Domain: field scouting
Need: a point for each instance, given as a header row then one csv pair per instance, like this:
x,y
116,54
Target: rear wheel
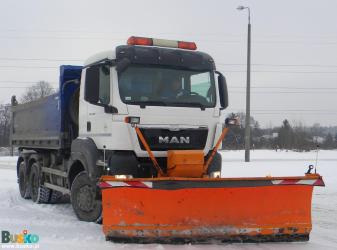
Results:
x,y
87,206
23,181
39,193
55,196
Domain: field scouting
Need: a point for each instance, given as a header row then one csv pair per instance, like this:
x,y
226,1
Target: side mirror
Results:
x,y
91,93
122,65
223,92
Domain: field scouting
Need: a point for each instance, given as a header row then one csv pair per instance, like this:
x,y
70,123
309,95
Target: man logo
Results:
x,y
174,140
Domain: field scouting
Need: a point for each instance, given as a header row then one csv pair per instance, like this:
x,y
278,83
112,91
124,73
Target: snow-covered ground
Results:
x,y
58,227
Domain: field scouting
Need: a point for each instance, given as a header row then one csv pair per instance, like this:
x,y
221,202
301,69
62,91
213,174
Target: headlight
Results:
x,y
122,176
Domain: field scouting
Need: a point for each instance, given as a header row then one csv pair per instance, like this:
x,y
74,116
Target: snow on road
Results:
x,y
58,227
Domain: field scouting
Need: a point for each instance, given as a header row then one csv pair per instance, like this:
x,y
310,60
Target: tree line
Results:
x,y
286,136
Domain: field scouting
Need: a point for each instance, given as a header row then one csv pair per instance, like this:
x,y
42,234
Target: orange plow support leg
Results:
x,y
186,211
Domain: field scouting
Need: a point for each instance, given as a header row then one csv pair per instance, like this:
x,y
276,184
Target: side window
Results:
x,y
97,85
104,85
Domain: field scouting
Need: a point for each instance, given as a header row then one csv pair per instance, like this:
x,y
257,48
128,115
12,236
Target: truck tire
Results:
x,y
39,194
23,181
84,198
215,164
55,196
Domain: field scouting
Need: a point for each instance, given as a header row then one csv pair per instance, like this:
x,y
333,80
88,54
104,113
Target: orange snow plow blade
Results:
x,y
181,210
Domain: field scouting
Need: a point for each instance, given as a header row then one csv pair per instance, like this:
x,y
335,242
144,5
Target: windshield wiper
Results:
x,y
143,104
189,104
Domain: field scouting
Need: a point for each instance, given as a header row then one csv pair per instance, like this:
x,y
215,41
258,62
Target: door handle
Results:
x,y
88,126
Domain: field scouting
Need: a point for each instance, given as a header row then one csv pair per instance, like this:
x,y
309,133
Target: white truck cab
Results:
x,y
175,91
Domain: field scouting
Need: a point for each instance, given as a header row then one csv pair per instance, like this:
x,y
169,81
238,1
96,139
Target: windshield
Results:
x,y
140,85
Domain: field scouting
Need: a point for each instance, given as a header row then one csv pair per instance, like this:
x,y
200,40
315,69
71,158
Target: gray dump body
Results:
x,y
38,123
46,123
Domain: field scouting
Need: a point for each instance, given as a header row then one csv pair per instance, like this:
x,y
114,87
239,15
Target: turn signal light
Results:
x,y
132,119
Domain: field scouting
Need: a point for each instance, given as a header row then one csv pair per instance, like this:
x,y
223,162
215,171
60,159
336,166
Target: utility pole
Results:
x,y
247,120
13,103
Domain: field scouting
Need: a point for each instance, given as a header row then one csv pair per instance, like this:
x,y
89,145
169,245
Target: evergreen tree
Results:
x,y
328,142
285,135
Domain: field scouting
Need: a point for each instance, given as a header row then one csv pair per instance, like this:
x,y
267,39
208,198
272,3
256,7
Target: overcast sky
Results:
x,y
294,46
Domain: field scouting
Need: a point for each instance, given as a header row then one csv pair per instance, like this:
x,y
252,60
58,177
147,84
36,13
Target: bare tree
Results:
x,y
37,91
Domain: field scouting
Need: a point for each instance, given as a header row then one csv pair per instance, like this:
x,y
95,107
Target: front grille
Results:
x,y
170,140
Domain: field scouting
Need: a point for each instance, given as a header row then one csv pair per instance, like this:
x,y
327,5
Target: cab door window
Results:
x,y
97,85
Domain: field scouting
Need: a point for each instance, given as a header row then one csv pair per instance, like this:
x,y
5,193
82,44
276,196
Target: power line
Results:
x,y
289,110
283,71
10,81
200,40
122,40
116,33
20,87
237,71
217,34
61,38
124,34
282,87
301,110
293,114
279,65
233,92
225,64
28,67
285,92
38,59
2,87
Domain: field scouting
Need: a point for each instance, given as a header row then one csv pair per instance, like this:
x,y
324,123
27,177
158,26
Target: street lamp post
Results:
x,y
247,120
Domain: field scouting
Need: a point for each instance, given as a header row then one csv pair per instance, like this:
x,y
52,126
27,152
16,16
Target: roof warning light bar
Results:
x,y
145,41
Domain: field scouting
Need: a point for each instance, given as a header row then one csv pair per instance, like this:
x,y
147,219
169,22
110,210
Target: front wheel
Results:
x,y
84,200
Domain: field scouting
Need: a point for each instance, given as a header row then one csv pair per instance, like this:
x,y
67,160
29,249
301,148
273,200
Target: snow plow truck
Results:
x,y
132,137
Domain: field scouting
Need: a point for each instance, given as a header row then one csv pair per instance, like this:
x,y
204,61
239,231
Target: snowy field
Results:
x,y
58,227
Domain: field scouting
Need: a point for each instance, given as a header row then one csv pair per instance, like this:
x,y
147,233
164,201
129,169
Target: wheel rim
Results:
x,y
85,198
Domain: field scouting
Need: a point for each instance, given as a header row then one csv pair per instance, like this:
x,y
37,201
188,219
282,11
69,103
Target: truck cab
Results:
x,y
69,140
175,93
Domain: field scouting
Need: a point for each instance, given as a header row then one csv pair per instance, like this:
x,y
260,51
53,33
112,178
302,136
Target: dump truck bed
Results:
x,y
44,123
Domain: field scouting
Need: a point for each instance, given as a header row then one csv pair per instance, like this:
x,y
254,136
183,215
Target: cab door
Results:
x,y
98,96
